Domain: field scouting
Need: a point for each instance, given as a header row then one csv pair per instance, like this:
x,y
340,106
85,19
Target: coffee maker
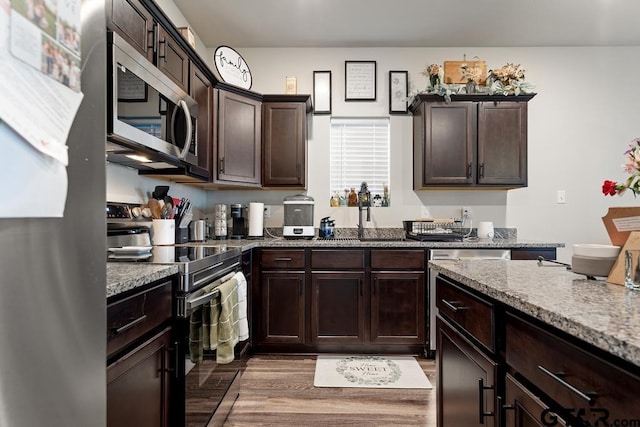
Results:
x,y
238,221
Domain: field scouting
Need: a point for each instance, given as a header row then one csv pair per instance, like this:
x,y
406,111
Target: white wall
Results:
x,y
580,123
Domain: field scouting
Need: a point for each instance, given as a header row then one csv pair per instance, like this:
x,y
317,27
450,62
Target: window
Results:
x,y
359,152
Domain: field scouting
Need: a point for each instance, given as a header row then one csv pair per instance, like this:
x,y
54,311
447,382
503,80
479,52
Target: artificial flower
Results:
x,y
632,167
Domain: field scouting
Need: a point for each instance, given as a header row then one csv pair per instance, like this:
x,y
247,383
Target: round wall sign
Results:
x,y
232,67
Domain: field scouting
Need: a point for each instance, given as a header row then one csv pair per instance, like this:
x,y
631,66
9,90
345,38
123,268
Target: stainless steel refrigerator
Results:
x,y
52,275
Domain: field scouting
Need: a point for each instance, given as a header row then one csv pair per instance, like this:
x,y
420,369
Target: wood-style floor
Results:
x,y
278,390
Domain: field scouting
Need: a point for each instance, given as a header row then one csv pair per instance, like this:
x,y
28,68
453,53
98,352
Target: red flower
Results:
x,y
609,188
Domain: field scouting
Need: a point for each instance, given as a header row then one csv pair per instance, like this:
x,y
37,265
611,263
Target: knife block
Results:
x,y
182,235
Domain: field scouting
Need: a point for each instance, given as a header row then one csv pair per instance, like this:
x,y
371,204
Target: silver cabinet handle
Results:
x,y
131,324
451,306
589,396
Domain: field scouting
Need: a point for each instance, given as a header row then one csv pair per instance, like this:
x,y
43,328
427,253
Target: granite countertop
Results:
x,y
123,276
604,315
245,244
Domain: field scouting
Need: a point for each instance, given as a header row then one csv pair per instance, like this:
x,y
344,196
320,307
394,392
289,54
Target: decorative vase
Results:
x,y
470,86
434,79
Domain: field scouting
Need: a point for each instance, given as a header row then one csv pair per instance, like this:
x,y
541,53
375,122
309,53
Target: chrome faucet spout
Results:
x,y
364,202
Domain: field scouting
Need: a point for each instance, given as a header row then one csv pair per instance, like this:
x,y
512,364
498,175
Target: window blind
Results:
x,y
359,152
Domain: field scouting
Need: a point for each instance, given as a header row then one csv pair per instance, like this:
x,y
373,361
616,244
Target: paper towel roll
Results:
x,y
256,216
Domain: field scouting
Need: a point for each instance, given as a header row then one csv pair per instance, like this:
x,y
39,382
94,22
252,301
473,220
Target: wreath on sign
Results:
x,y
345,368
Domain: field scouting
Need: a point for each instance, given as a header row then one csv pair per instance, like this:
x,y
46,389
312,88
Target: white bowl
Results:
x,y
595,250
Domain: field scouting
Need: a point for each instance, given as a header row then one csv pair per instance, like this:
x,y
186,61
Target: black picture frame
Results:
x,y
321,92
360,80
398,92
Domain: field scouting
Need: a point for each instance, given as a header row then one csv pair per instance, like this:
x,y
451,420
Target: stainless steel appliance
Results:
x,y
150,117
52,293
200,386
452,254
298,217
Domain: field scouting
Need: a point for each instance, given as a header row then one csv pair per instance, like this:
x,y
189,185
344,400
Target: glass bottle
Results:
x,y
353,197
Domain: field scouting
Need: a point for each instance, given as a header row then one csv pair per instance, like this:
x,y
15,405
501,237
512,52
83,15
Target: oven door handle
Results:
x,y
201,299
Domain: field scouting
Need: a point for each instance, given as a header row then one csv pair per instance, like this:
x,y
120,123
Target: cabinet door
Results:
x,y
449,141
397,308
466,381
502,143
172,59
337,308
284,142
138,385
201,90
134,23
238,139
524,409
282,305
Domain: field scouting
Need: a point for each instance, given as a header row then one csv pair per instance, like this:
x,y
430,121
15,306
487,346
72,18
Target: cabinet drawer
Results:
x,y
132,317
394,259
282,259
334,259
571,376
474,315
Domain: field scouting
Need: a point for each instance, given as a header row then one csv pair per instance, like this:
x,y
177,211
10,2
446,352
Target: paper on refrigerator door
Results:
x,y
38,106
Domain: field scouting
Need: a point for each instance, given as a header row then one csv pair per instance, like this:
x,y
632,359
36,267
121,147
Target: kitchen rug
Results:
x,y
369,372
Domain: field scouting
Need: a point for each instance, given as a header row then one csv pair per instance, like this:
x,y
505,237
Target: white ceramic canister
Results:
x,y
485,230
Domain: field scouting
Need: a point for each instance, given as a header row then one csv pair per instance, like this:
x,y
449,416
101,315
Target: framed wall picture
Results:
x,y
398,89
322,92
359,80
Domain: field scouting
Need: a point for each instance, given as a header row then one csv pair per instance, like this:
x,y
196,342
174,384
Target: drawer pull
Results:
x,y
481,412
131,324
451,305
589,396
283,259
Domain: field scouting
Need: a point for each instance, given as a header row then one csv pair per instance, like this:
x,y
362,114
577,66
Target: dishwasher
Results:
x,y
453,254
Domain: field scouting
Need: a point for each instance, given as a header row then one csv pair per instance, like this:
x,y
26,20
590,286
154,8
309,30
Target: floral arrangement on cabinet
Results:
x,y
632,167
506,80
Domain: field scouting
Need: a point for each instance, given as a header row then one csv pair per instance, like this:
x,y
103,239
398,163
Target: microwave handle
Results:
x,y
187,138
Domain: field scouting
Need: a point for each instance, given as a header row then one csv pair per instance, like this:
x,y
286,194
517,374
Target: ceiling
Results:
x,y
413,23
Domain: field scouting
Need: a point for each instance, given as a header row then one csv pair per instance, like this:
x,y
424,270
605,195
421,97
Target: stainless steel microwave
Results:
x,y
149,115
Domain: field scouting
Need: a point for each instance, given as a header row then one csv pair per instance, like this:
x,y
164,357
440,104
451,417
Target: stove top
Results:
x,y
189,258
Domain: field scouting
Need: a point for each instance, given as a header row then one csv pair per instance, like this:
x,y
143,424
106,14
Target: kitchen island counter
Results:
x,y
603,315
124,276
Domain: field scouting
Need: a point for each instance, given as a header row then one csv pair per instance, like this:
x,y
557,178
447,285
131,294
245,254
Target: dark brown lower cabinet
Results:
x,y
466,381
337,308
138,385
282,308
523,409
397,308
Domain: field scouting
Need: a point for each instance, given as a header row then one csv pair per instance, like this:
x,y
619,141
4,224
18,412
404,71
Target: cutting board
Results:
x,y
616,275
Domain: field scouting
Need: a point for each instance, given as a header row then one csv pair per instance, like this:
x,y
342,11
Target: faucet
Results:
x,y
364,202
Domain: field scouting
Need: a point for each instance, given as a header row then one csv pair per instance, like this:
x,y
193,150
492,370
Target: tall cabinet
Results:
x,y
284,140
473,141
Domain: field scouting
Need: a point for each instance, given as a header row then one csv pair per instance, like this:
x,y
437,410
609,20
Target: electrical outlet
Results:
x,y
465,211
267,211
561,197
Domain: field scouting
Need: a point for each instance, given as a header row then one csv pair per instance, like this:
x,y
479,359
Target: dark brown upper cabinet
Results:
x,y
172,59
201,89
473,141
134,23
284,140
238,141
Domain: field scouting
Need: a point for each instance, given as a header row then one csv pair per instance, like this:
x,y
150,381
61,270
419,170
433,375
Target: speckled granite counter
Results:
x,y
606,316
122,276
313,243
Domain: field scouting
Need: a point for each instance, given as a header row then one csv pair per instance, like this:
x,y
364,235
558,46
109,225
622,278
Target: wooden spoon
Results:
x,y
156,209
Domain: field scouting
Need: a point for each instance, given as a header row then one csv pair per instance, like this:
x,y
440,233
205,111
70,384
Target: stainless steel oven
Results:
x,y
147,112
